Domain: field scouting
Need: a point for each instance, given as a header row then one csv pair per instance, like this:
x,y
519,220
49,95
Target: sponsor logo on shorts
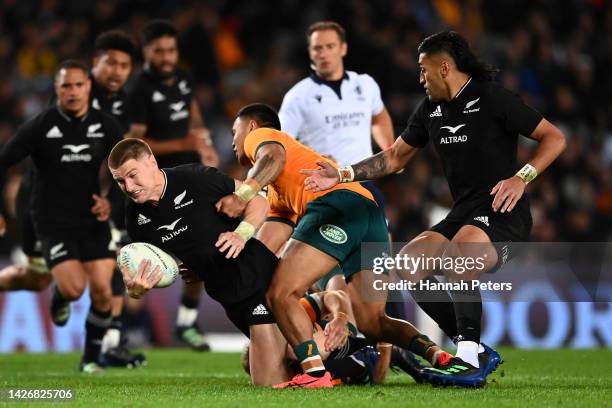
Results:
x,y
333,233
57,250
260,310
484,219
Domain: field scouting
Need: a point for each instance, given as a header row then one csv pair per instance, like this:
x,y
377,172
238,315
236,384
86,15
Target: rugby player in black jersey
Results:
x,y
474,125
165,114
114,53
219,250
112,64
175,209
68,144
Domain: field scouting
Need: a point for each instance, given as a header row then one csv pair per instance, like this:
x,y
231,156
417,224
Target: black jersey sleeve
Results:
x,y
516,116
15,150
139,103
212,182
415,133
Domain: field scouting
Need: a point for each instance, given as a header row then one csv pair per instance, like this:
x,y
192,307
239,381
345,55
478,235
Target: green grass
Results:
x,y
572,378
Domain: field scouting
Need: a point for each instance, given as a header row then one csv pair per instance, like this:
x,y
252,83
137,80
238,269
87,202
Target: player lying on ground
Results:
x,y
352,360
331,228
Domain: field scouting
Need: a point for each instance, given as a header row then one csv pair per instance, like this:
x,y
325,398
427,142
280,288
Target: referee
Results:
x,y
336,113
474,126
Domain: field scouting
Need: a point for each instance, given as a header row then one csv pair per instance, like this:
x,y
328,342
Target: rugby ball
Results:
x,y
132,254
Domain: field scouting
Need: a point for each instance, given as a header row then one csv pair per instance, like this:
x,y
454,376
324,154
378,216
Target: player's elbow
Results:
x,y
560,140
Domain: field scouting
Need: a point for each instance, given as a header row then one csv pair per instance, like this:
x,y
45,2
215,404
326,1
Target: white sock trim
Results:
x,y
186,316
468,352
110,339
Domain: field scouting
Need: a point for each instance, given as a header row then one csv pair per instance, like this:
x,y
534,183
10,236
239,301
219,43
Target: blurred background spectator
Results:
x,y
556,54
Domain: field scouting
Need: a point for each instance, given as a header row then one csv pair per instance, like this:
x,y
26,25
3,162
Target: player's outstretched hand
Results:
x,y
188,275
507,193
336,332
231,205
230,242
101,208
142,281
323,178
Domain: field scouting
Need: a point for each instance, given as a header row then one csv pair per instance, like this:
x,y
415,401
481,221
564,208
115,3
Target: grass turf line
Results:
x,y
545,378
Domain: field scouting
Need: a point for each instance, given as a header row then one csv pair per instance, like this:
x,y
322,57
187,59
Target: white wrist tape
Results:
x,y
527,173
346,174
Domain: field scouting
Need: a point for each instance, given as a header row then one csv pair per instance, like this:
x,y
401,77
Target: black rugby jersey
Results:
x,y
186,224
475,135
115,104
67,154
164,109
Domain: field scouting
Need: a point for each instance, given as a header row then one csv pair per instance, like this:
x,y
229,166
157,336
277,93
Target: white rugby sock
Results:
x,y
480,348
468,352
186,316
110,339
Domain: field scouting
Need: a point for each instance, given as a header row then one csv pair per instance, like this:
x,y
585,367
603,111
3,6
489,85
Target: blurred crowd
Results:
x,y
556,54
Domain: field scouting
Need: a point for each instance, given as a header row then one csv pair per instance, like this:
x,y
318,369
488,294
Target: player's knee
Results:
x,y
72,292
278,294
101,294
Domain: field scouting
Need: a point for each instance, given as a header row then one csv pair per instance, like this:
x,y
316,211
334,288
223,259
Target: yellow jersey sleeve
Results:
x,y
258,137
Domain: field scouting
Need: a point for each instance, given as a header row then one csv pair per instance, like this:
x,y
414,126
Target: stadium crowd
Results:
x,y
556,56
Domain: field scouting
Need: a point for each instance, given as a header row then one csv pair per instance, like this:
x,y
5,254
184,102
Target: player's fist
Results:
x,y
323,178
231,205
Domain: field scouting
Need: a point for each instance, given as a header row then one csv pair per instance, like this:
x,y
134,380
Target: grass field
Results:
x,y
572,378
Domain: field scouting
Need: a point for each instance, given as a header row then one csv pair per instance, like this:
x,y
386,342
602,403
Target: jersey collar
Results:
x,y
69,118
462,89
320,81
334,85
165,185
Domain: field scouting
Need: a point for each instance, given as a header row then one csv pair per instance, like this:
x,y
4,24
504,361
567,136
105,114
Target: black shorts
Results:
x,y
502,228
88,244
250,312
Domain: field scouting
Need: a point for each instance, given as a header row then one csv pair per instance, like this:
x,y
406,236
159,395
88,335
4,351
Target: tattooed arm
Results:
x,y
269,163
384,163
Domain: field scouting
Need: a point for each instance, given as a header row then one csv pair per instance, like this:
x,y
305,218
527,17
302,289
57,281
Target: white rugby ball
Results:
x,y
132,254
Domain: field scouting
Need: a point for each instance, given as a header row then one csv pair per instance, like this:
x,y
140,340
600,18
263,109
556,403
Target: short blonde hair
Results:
x,y
130,148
